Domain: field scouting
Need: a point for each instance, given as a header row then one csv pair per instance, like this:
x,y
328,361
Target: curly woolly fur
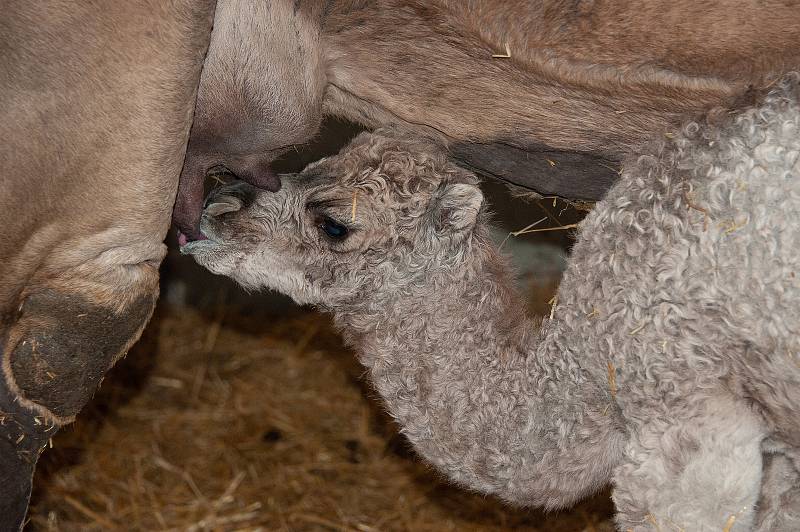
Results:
x,y
670,367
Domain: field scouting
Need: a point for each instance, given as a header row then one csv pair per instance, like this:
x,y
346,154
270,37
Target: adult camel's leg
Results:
x,y
97,106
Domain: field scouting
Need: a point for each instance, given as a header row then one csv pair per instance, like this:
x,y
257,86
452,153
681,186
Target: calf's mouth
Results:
x,y
253,169
222,200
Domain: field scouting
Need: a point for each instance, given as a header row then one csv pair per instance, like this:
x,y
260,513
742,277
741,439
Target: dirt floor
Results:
x,y
222,421
239,412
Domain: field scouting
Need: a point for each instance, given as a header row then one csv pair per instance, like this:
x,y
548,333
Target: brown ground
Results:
x,y
222,421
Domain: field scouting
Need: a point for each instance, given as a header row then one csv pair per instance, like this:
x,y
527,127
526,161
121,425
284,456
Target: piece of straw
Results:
x,y
559,228
729,523
612,379
506,55
355,205
528,228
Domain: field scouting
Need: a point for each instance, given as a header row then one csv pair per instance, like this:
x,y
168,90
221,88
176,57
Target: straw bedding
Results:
x,y
228,418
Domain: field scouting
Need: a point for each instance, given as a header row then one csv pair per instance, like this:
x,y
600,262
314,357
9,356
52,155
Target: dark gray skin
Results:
x,y
585,83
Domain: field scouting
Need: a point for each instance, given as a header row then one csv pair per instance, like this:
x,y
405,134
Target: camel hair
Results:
x,y
669,367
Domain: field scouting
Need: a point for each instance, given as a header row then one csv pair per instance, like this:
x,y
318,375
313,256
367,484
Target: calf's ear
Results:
x,y
455,209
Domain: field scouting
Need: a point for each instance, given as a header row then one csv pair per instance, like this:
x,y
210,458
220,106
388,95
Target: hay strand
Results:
x,y
354,206
612,380
506,55
729,523
559,228
527,228
91,514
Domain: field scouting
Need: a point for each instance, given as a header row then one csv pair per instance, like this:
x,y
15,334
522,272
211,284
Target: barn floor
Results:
x,y
223,421
228,419
245,412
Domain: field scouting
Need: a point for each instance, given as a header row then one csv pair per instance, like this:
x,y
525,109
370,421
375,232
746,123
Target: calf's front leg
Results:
x,y
697,470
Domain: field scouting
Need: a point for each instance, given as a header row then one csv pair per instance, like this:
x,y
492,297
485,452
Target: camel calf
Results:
x,y
669,364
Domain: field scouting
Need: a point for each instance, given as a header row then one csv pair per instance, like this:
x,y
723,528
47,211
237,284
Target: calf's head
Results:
x,y
370,220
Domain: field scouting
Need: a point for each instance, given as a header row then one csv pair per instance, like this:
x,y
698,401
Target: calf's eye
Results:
x,y
333,229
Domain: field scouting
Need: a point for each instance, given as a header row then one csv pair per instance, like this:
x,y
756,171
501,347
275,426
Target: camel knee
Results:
x,y
698,472
66,335
54,351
